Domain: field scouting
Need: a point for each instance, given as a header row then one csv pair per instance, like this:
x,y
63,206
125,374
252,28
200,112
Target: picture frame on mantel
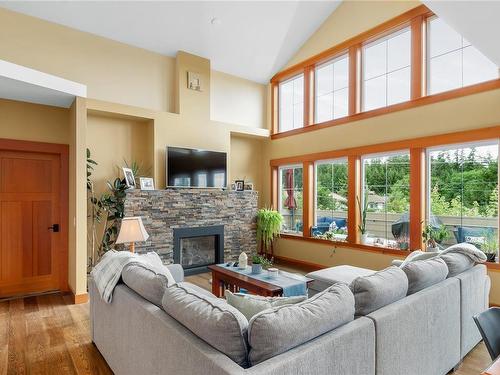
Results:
x,y
147,183
239,185
128,174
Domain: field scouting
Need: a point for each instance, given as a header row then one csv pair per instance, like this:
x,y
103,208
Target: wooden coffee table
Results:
x,y
224,278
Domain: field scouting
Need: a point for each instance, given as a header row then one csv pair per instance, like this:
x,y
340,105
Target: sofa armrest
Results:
x,y
177,272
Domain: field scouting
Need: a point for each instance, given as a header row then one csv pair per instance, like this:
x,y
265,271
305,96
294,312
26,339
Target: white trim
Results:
x,y
37,78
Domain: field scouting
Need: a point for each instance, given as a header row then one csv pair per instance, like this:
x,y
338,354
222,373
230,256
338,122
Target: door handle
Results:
x,y
54,228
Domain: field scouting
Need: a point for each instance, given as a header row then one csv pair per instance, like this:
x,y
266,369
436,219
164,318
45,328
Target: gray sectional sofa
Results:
x,y
424,333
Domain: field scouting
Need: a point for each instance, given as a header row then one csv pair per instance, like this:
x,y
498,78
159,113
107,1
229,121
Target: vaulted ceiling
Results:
x,y
250,39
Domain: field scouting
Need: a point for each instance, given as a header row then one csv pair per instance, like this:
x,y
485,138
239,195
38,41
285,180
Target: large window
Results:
x,y
387,70
291,103
452,61
332,90
331,200
290,198
463,194
385,199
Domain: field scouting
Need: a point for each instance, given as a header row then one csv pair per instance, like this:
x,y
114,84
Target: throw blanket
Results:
x,y
108,271
464,248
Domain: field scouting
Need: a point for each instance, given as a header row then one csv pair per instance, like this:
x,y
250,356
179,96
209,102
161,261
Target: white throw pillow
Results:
x,y
250,305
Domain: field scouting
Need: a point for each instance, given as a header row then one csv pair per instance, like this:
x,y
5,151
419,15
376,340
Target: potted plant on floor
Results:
x,y
268,229
490,246
259,263
434,236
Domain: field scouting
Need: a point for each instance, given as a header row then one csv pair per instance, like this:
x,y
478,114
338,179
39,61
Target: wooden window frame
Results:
x,y
416,19
418,184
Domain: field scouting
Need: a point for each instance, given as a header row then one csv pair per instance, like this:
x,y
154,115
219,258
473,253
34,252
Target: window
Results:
x,y
331,200
387,70
463,198
386,199
452,61
331,90
291,103
290,198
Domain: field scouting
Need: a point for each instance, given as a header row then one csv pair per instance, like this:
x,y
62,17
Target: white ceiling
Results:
x,y
250,39
477,21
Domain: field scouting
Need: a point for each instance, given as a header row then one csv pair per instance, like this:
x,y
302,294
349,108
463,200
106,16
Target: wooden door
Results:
x,y
31,248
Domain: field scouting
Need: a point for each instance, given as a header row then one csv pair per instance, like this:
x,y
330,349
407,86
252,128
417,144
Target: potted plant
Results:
x,y
268,228
490,246
362,214
403,242
259,263
434,236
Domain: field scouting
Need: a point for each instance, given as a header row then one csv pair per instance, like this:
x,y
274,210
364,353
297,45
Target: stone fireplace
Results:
x,y
195,248
168,214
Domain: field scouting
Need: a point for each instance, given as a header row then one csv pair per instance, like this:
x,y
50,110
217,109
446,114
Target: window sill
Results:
x,y
372,249
428,99
367,248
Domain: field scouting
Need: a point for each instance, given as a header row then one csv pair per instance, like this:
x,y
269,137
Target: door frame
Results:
x,y
63,151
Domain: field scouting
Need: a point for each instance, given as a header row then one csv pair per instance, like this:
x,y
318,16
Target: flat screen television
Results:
x,y
188,167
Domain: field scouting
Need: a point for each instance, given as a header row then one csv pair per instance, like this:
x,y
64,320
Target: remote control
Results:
x,y
235,264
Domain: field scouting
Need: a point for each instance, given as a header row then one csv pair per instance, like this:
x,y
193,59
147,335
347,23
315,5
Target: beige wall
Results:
x,y
120,73
33,122
237,100
471,112
350,19
77,233
115,140
246,159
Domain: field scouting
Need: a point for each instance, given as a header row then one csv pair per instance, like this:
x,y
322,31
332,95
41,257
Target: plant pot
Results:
x,y
490,257
256,268
403,246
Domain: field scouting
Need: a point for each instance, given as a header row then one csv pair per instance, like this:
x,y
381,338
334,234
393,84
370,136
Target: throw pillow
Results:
x,y
148,278
457,263
250,305
211,319
424,273
280,329
379,289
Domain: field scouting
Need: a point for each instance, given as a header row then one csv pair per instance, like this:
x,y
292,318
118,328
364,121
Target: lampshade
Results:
x,y
132,230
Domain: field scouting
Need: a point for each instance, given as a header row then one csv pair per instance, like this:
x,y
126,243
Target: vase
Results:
x,y
272,273
242,261
256,268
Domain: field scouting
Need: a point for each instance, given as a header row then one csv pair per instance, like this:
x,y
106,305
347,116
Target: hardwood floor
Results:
x,y
48,335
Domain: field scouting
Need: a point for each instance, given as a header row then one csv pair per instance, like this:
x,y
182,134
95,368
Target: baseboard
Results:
x,y
299,263
79,298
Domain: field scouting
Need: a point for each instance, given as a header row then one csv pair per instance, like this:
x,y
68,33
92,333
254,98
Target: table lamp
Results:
x,y
131,231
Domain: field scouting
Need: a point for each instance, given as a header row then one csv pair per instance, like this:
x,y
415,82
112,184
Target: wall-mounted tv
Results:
x,y
195,168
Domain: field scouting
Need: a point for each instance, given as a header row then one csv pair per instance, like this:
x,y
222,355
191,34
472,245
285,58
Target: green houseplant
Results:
x,y
490,246
434,236
268,228
259,263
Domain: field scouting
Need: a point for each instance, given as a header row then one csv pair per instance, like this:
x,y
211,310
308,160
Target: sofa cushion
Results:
x,y
211,319
424,273
457,263
279,329
325,278
250,305
379,289
147,280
